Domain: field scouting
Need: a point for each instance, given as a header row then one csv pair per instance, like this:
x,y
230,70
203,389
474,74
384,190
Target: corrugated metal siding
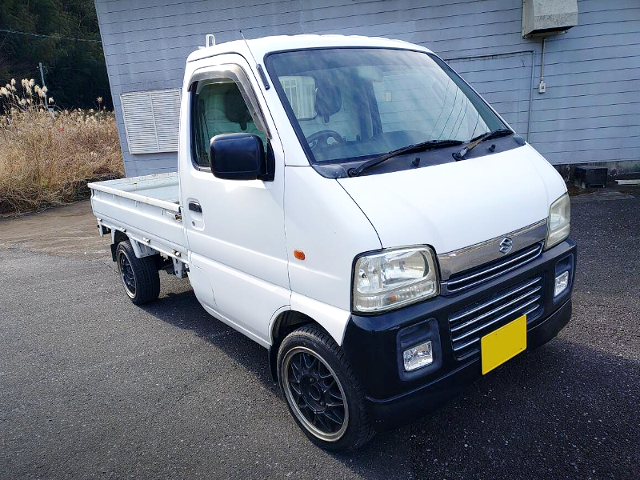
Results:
x,y
504,80
590,112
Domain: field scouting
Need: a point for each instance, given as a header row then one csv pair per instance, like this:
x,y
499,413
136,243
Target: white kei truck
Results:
x,y
355,207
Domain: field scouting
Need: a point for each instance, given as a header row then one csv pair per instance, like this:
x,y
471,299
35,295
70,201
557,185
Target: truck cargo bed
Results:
x,y
160,190
146,208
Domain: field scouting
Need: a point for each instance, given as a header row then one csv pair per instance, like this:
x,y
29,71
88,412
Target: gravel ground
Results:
x,y
92,386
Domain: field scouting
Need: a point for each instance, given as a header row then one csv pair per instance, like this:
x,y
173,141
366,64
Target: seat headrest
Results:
x,y
328,101
235,109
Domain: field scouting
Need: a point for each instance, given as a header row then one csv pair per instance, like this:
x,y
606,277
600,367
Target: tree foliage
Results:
x,y
75,71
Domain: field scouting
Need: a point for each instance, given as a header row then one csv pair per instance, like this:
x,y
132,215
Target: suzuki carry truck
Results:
x,y
355,207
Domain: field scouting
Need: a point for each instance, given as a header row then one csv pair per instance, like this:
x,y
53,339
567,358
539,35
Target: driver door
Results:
x,y
235,228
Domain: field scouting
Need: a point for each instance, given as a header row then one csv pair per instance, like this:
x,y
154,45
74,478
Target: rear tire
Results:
x,y
322,392
139,276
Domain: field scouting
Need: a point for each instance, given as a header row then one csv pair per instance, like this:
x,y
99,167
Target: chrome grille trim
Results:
x,y
498,266
496,310
467,326
475,340
496,320
484,252
462,282
465,313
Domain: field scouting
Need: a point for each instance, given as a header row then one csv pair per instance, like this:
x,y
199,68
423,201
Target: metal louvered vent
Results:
x,y
151,120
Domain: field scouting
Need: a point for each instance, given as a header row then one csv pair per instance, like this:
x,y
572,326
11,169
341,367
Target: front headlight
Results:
x,y
559,221
393,278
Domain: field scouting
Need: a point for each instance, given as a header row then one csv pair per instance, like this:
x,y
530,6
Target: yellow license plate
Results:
x,y
503,344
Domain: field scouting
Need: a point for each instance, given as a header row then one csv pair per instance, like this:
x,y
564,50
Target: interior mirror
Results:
x,y
237,156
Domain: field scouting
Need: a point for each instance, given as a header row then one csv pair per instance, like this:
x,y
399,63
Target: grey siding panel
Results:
x,y
574,113
589,112
505,81
146,164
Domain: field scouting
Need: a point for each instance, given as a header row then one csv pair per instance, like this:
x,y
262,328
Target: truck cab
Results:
x,y
355,207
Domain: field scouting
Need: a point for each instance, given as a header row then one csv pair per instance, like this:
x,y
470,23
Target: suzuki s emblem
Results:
x,y
505,245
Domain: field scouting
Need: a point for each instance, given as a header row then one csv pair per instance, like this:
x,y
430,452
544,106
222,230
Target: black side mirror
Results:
x,y
238,156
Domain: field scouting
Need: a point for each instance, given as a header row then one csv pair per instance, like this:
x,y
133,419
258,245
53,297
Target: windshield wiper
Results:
x,y
500,132
417,147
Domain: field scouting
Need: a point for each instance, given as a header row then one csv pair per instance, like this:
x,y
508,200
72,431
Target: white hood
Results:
x,y
458,204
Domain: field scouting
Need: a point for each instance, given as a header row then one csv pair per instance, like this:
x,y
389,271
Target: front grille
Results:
x,y
489,271
473,322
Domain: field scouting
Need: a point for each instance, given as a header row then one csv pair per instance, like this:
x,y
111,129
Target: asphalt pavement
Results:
x,y
92,386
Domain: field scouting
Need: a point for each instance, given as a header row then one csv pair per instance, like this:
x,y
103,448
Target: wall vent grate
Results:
x,y
151,120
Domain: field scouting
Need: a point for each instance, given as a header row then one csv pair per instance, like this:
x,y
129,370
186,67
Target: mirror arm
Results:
x,y
270,164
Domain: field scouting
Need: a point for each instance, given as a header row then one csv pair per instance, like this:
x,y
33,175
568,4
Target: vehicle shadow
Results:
x,y
182,310
563,410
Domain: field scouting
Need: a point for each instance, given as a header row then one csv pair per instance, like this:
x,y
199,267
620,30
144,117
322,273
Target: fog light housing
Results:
x,y
418,356
561,283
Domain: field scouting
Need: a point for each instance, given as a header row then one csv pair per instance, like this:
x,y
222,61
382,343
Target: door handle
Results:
x,y
195,207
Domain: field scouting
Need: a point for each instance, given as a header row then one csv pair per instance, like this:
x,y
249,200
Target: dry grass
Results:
x,y
47,157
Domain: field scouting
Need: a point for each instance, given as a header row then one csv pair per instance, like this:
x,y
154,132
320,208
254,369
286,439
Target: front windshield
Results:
x,y
355,103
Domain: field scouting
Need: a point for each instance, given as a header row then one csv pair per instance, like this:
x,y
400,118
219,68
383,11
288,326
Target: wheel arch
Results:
x,y
304,310
285,323
116,238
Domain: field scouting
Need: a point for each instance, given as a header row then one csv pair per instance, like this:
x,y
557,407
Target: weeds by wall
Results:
x,y
47,155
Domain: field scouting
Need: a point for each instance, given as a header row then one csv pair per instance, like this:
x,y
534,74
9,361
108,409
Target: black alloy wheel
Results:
x,y
139,275
126,273
315,393
323,393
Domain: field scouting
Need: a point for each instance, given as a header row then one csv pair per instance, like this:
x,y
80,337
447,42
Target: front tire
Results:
x,y
139,276
322,392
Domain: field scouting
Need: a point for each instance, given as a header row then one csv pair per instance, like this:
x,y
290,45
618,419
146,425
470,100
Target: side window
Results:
x,y
218,107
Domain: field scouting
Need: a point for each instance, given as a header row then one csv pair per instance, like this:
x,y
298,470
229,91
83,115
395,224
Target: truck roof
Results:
x,y
262,46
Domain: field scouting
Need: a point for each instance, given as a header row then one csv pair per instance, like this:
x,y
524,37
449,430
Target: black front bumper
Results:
x,y
374,344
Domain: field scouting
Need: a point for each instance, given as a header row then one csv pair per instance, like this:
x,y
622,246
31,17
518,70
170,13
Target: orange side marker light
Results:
x,y
299,254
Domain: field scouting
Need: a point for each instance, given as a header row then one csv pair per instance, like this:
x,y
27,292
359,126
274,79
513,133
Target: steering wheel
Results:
x,y
322,137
